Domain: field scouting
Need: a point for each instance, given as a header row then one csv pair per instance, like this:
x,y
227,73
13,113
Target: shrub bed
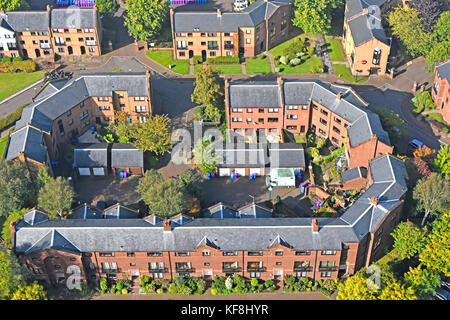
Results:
x,y
17,66
10,119
223,60
304,284
179,285
121,286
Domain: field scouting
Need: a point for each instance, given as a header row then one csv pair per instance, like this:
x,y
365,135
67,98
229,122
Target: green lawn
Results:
x,y
437,117
260,64
278,50
11,83
3,142
335,49
164,58
304,67
343,72
233,68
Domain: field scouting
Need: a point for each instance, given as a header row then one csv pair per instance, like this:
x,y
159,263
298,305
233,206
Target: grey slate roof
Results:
x,y
365,27
86,212
29,141
444,70
4,24
125,155
256,94
287,155
93,155
28,20
253,15
119,212
355,173
242,155
73,18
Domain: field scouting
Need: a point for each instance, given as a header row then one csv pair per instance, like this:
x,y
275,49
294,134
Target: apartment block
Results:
x,y
365,43
246,33
266,108
223,241
441,89
50,33
64,110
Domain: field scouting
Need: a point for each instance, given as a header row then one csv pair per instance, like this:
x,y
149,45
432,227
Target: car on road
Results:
x,y
413,145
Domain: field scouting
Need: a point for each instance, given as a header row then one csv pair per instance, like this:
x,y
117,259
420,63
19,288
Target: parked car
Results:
x,y
441,294
413,145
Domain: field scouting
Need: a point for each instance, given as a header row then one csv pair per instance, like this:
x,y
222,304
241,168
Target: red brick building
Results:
x,y
266,108
441,89
224,241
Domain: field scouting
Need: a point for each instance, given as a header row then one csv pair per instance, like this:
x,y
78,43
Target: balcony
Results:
x,y
91,42
181,48
45,45
185,270
256,269
213,47
158,270
224,269
60,44
303,269
229,46
324,269
117,270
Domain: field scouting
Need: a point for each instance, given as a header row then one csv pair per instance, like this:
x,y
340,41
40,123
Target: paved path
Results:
x,y
25,97
325,56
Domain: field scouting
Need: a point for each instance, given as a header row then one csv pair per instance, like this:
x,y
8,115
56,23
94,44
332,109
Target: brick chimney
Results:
x,y
219,12
365,11
315,225
12,229
167,226
2,11
339,95
374,200
280,81
48,8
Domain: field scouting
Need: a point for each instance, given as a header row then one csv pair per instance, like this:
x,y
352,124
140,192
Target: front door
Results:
x,y
70,50
203,55
191,54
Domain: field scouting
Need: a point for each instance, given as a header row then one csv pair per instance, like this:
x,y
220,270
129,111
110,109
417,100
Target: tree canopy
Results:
x,y
17,190
409,239
205,157
13,5
432,194
145,18
422,280
153,135
56,197
106,6
6,231
209,87
442,161
12,275
33,291
314,16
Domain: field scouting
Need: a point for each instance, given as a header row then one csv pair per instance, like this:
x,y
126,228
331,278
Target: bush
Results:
x,y
197,59
11,119
444,130
272,288
268,283
104,285
316,69
283,60
260,288
18,66
143,280
223,60
17,59
295,61
322,143
159,290
6,59
124,291
423,101
254,282
179,280
173,288
214,291
201,285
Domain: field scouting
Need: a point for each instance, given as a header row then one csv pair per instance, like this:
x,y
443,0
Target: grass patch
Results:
x,y
342,71
164,58
438,118
3,142
335,49
278,50
305,67
234,68
11,83
260,64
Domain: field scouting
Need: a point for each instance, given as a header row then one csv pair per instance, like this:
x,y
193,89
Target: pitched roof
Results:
x,y
29,141
125,155
244,155
73,17
92,155
352,174
443,70
256,94
287,155
28,20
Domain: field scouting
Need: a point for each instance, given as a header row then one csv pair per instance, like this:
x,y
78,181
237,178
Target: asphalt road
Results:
x,y
19,100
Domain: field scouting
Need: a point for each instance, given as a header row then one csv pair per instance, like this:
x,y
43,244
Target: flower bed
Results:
x,y
304,284
121,286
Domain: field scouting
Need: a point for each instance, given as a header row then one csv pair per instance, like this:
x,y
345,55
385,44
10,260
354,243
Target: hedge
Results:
x,y
17,66
10,119
223,60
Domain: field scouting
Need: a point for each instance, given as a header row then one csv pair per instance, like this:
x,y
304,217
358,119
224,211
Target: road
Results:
x,y
19,100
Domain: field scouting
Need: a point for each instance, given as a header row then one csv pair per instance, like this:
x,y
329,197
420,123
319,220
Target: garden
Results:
x,y
423,104
121,286
223,65
165,58
297,56
258,64
335,49
304,284
343,72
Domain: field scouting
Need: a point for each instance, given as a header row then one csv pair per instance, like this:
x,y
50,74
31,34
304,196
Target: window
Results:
x,y
248,31
142,119
236,119
261,120
302,253
230,253
103,99
292,107
278,263
291,116
324,111
323,121
91,49
315,107
291,127
335,140
109,266
229,54
248,40
337,120
322,132
206,264
155,266
301,274
278,253
106,254
61,50
237,110
336,130
132,264
84,114
182,254
327,264
328,252
272,119
301,264
182,266
212,34
249,110
139,98
80,39
325,274
249,120
154,254
141,109
59,41
302,128
273,110
376,56
181,45
61,127
130,254
255,253
206,253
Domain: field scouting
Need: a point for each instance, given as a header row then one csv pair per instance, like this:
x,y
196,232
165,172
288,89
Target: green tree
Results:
x,y
356,288
435,256
205,157
17,191
12,275
56,197
193,183
33,291
395,290
422,280
12,5
209,88
314,16
154,135
6,231
393,124
107,6
212,113
409,240
423,101
432,194
145,18
42,178
407,26
442,161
